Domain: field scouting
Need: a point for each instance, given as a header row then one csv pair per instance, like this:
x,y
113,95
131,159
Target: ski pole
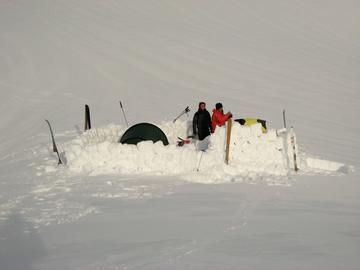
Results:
x,y
198,167
121,106
284,119
293,143
183,112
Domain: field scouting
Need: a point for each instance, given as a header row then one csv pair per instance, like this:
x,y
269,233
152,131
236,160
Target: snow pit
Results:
x,y
252,154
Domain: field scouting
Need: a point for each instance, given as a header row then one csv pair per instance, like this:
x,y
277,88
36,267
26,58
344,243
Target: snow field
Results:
x,y
256,57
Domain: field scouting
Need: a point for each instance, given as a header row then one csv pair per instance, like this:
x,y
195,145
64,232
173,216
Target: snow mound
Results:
x,y
254,156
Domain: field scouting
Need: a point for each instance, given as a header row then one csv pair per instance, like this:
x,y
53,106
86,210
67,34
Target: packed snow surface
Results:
x,y
113,206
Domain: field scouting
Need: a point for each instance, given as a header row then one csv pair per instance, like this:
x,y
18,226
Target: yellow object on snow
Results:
x,y
252,121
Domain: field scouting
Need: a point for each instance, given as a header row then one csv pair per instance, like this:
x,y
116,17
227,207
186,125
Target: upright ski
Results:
x,y
87,118
53,142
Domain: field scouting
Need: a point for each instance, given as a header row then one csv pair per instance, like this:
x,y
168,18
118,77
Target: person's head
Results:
x,y
218,106
202,106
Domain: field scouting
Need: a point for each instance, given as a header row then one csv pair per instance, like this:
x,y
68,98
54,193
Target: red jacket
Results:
x,y
219,118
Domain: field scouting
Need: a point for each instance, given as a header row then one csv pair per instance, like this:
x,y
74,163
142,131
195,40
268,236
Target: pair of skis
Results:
x,y
86,127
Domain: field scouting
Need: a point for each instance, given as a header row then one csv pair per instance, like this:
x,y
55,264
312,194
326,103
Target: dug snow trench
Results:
x,y
254,156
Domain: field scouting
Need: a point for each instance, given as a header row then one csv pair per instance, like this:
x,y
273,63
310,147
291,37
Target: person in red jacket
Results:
x,y
218,117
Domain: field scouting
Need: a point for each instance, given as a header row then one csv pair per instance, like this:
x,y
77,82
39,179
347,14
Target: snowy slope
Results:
x,y
157,57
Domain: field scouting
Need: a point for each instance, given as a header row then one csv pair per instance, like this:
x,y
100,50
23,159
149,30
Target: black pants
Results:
x,y
202,134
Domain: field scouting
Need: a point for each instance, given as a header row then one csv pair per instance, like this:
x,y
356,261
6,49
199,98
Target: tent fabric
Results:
x,y
252,121
143,132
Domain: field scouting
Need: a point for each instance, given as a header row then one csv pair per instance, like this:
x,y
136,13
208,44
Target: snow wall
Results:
x,y
254,156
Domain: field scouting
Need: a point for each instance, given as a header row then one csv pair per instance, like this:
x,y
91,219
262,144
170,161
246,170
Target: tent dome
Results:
x,y
143,132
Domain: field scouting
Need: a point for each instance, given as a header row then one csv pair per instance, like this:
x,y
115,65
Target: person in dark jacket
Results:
x,y
202,122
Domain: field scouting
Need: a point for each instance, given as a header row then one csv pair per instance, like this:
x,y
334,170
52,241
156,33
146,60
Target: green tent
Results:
x,y
143,132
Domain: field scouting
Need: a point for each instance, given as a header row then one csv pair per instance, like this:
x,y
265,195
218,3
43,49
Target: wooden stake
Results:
x,y
228,135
